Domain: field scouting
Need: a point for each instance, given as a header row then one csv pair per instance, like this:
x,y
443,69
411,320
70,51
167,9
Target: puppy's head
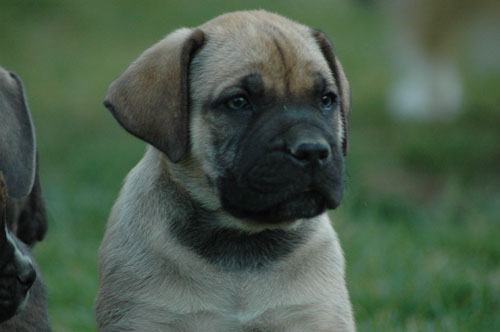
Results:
x,y
250,109
17,273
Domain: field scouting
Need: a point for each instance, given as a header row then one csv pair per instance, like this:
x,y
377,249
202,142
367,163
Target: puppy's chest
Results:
x,y
227,304
228,298
246,317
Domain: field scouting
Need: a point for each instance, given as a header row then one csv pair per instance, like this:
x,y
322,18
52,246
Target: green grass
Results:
x,y
420,220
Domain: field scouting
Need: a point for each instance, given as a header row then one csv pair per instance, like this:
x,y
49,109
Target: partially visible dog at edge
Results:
x,y
222,226
23,298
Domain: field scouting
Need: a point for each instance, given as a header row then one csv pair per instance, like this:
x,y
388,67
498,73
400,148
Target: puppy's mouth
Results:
x,y
306,204
330,203
293,198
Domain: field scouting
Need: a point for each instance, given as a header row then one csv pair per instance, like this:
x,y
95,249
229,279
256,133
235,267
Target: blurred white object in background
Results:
x,y
430,38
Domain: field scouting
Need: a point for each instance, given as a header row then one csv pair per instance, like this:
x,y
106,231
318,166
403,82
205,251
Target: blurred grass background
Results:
x,y
421,217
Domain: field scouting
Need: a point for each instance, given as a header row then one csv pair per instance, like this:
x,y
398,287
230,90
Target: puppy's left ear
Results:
x,y
341,80
17,136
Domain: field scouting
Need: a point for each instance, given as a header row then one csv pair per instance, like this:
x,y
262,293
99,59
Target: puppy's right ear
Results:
x,y
151,98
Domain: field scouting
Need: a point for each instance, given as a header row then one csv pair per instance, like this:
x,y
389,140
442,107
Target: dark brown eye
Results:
x,y
238,103
328,101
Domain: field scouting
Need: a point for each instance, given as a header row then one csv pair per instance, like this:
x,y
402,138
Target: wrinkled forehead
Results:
x,y
285,56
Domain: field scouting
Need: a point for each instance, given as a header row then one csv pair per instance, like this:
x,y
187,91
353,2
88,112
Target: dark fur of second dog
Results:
x,y
23,297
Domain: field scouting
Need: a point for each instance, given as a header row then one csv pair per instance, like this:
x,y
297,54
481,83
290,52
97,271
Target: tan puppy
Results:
x,y
222,225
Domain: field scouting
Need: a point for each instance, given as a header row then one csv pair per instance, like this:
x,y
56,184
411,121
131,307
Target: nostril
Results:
x,y
310,152
324,153
27,277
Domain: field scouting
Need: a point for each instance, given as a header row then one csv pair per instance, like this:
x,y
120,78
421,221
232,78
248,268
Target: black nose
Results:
x,y
310,151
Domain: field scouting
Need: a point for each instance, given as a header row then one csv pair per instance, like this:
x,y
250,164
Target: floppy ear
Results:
x,y
341,81
17,136
151,98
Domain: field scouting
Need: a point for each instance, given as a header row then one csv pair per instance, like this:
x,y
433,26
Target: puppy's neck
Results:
x,y
209,234
236,249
